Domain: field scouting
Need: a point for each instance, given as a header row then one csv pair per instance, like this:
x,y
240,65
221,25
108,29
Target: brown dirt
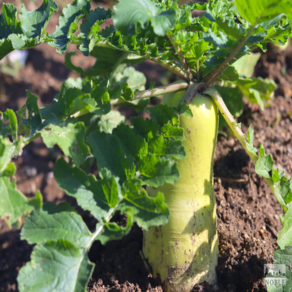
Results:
x,y
247,212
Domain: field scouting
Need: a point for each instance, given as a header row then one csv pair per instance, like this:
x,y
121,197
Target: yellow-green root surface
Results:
x,y
184,252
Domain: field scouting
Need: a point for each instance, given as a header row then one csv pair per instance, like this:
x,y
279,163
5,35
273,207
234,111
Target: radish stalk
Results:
x,y
184,252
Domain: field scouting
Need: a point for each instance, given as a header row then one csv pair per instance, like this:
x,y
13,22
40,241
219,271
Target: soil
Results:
x,y
247,212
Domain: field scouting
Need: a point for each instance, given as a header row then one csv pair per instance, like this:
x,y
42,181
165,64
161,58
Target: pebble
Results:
x,y
232,205
31,171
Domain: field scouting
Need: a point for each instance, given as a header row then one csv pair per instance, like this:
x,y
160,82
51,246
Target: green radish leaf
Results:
x,y
96,196
262,10
250,141
9,170
284,188
110,55
169,131
110,121
90,27
14,204
128,14
53,223
73,100
167,148
284,257
229,74
256,95
246,64
7,151
34,119
100,67
148,211
264,163
156,172
64,33
108,151
163,114
56,266
148,128
137,105
8,124
265,87
285,234
69,135
26,33
112,231
137,149
134,79
276,176
222,12
33,23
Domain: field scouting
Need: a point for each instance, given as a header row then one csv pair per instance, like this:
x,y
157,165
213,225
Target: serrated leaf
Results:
x,y
163,114
156,172
184,110
56,266
262,10
246,64
33,23
276,176
110,55
148,211
264,163
148,128
64,33
100,67
133,145
250,141
110,121
285,234
137,105
134,79
34,119
69,135
222,12
96,196
256,95
169,131
109,154
73,100
167,148
112,231
90,27
52,223
250,87
13,204
285,189
283,257
128,14
26,33
7,150
9,170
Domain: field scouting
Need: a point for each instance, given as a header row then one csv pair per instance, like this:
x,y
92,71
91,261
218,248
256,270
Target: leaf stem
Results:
x,y
176,70
176,86
100,227
181,56
224,65
214,94
191,92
